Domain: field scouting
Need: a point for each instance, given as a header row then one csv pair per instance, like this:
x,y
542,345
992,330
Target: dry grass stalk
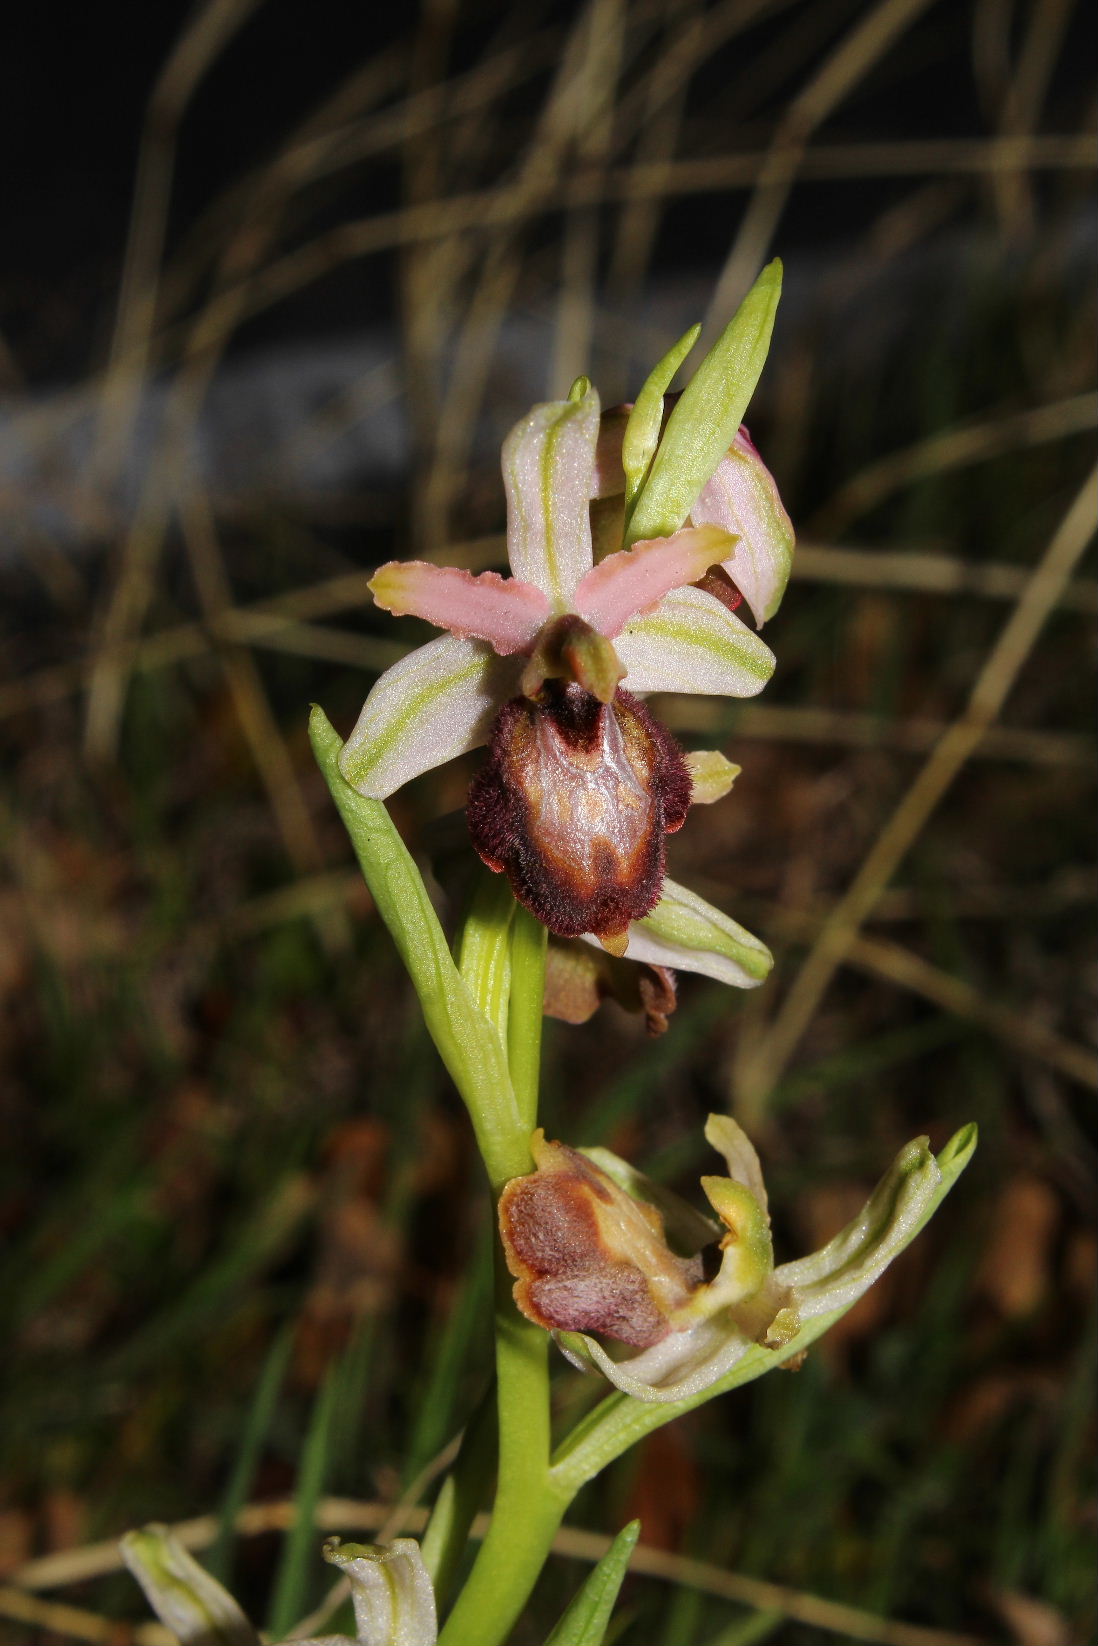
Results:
x,y
764,1063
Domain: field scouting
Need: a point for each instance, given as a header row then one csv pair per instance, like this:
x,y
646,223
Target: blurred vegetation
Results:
x,y
246,1247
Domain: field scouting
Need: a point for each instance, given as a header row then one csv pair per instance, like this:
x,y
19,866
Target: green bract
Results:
x,y
586,1620
708,415
642,431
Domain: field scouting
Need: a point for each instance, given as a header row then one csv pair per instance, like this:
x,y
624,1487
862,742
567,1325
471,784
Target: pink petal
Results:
x,y
505,612
636,580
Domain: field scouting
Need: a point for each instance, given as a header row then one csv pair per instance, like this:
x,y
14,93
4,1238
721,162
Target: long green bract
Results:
x,y
587,1618
704,422
642,432
467,1042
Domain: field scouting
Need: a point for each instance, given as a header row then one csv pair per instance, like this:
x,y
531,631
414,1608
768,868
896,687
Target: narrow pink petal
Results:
x,y
501,610
636,580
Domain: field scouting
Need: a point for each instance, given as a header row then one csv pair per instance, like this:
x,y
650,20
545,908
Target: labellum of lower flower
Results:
x,y
586,1255
583,1233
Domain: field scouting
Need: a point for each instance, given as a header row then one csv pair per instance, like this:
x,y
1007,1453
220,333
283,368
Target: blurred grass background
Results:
x,y
245,1250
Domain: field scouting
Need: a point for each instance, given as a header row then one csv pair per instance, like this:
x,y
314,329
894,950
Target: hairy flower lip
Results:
x,y
584,1254
573,804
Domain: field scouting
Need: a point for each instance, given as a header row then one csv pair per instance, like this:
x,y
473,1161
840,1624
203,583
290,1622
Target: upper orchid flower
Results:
x,y
582,784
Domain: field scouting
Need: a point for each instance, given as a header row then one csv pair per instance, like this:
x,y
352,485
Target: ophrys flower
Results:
x,y
582,785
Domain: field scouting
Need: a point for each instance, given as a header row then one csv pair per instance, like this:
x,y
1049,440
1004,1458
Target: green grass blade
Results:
x,y
300,1550
256,1429
586,1620
452,1353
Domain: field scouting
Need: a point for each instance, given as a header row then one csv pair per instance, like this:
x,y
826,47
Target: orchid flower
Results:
x,y
548,665
596,1247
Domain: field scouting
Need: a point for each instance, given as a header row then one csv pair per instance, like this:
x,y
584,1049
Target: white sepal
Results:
x,y
741,495
687,933
436,703
693,643
548,470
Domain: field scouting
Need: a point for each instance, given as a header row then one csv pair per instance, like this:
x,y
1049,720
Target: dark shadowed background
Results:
x,y
276,279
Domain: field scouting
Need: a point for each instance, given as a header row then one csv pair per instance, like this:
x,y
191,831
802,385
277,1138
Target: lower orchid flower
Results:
x,y
595,1247
582,785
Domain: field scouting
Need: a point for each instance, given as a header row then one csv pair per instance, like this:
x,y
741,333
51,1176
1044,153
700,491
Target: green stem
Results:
x,y
484,1015
528,1507
529,940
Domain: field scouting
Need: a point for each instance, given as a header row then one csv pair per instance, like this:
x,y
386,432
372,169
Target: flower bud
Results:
x,y
391,1590
186,1599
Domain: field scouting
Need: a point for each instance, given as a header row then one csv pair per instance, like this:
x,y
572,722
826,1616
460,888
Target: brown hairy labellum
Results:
x,y
586,1256
573,805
